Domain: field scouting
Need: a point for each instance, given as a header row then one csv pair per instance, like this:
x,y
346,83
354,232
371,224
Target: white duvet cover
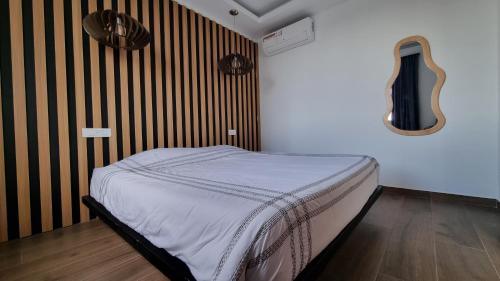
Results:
x,y
231,214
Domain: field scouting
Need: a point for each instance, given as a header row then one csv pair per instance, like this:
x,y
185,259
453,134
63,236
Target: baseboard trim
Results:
x,y
471,200
405,191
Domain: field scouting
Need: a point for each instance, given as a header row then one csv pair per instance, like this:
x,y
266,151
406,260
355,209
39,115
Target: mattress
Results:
x,y
232,214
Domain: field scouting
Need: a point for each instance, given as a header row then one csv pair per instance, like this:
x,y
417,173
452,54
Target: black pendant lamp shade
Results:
x,y
116,30
235,64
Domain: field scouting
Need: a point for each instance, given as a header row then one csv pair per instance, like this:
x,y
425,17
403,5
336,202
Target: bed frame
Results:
x,y
177,270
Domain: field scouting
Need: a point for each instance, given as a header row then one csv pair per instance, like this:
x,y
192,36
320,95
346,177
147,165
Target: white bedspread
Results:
x,y
231,214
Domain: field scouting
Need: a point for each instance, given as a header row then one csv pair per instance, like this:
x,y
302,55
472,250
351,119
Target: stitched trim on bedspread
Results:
x,y
279,242
248,192
150,170
261,208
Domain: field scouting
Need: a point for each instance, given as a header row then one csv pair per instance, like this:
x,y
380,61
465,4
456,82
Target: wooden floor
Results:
x,y
406,237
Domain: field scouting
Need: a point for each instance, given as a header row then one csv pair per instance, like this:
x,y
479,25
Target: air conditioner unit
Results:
x,y
292,36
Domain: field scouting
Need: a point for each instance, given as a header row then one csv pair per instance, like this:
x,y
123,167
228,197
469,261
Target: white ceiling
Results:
x,y
258,23
259,7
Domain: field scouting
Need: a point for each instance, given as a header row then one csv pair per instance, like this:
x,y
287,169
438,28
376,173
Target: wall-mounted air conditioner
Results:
x,y
292,36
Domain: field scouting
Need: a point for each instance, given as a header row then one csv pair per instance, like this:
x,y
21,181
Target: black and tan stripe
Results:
x,y
3,199
56,80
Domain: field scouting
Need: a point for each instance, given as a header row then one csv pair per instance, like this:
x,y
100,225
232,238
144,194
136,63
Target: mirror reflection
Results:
x,y
412,91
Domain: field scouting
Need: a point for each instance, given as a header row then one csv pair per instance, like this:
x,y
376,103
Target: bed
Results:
x,y
225,213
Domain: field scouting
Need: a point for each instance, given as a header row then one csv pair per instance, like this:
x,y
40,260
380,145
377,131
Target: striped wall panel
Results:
x,y
56,80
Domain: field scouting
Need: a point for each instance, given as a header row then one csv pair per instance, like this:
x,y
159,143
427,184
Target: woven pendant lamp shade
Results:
x,y
116,30
235,64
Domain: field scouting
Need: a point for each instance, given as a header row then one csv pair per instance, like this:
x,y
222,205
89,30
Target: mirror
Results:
x,y
413,91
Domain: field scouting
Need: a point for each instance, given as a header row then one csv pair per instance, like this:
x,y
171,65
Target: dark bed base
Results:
x,y
175,269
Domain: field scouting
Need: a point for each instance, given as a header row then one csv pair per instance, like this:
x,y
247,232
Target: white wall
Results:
x,y
328,96
498,24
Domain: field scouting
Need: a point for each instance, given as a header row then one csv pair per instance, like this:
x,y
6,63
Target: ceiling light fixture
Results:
x,y
235,64
116,30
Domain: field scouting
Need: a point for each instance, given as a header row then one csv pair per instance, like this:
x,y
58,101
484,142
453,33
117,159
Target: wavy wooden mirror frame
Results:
x,y
440,79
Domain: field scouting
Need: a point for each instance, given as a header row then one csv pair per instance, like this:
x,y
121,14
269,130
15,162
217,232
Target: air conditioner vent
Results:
x,y
287,38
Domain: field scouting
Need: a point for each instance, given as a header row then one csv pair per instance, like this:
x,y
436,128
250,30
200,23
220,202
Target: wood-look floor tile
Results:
x,y
76,232
49,262
385,277
80,268
127,270
452,224
467,200
360,257
155,275
385,210
483,214
10,259
90,251
490,236
487,224
42,245
457,263
410,250
392,243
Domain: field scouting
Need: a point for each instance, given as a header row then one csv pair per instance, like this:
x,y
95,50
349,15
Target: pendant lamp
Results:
x,y
116,30
235,64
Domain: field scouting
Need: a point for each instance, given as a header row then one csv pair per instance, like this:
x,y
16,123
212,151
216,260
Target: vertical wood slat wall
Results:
x,y
56,80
